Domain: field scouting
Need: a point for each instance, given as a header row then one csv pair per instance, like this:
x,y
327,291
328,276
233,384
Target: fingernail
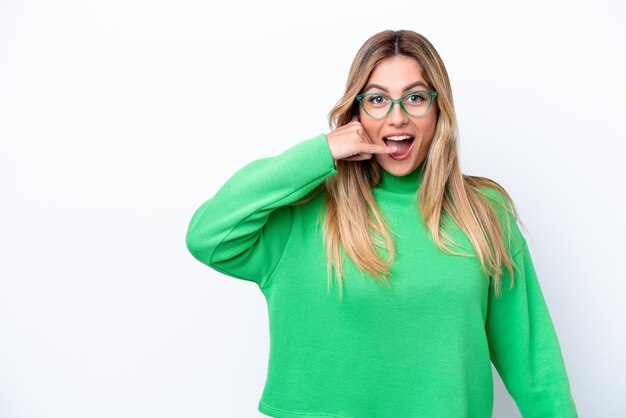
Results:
x,y
394,148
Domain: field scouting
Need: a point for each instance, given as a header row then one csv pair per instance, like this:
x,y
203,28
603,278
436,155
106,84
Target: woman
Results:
x,y
422,304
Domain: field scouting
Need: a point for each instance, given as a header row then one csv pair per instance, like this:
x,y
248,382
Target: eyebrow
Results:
x,y
410,86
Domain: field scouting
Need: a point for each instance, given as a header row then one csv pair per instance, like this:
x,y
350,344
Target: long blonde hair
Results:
x,y
445,194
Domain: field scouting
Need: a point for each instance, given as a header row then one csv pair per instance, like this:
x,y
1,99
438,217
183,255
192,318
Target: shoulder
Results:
x,y
497,197
491,192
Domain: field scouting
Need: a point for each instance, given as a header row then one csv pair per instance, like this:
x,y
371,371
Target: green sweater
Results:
x,y
422,348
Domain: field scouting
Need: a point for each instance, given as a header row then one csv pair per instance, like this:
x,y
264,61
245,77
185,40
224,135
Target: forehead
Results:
x,y
396,72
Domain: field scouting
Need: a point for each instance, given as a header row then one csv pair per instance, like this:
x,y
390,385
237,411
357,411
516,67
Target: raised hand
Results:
x,y
351,143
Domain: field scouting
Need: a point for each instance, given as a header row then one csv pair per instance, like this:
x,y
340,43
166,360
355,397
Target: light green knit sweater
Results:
x,y
422,348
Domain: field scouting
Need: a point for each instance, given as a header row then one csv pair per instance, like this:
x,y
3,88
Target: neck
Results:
x,y
402,184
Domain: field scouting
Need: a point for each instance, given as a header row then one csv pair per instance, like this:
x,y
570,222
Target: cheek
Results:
x,y
429,125
371,129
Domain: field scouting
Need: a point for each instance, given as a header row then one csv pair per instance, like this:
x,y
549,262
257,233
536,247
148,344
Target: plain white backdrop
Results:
x,y
119,118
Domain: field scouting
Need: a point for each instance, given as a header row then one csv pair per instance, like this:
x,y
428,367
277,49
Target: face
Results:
x,y
394,75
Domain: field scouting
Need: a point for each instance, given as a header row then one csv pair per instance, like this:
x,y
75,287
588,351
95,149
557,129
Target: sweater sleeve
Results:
x,y
244,228
524,347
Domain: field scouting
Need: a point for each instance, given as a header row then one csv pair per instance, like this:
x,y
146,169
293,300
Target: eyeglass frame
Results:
x,y
433,95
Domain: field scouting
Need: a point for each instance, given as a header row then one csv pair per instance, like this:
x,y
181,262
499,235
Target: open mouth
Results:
x,y
405,145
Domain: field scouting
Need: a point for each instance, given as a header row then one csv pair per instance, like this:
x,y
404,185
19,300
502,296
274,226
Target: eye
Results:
x,y
376,100
415,98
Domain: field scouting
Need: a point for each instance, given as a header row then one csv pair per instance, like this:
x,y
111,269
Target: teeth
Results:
x,y
398,138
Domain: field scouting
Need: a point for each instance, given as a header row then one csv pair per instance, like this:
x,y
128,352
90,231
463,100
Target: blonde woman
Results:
x,y
392,280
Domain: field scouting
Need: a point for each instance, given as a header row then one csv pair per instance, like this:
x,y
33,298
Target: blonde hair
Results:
x,y
445,194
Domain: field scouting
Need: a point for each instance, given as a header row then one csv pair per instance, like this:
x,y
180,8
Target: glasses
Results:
x,y
415,103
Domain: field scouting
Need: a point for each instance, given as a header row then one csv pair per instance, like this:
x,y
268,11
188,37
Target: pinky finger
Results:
x,y
361,156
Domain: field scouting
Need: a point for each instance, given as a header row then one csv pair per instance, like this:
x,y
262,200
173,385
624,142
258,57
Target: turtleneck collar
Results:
x,y
402,184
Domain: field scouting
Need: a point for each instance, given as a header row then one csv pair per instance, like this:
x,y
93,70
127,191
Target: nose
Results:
x,y
397,115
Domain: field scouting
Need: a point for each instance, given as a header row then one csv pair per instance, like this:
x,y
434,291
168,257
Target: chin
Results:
x,y
402,171
398,167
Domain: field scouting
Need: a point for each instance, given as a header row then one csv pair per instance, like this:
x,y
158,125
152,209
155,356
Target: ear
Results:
x,y
356,110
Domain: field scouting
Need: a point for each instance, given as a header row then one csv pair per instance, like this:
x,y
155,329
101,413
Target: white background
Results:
x,y
119,118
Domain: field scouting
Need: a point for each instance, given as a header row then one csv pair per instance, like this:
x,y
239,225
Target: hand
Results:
x,y
351,143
